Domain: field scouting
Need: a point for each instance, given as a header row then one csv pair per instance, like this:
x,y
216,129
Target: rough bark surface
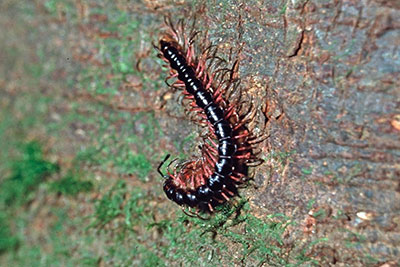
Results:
x,y
328,71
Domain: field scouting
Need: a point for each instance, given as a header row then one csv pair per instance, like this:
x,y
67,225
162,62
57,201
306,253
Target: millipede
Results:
x,y
228,148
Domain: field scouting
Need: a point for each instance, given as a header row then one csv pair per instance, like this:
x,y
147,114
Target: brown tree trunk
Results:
x,y
329,73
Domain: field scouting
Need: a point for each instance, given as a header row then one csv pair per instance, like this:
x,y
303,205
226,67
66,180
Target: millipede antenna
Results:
x,y
162,163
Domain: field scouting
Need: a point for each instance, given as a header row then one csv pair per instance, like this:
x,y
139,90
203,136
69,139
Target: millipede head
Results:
x,y
169,189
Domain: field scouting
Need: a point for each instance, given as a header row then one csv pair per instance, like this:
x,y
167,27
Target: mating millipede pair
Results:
x,y
228,149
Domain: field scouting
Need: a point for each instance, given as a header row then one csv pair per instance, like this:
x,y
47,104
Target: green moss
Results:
x,y
71,185
7,240
194,241
110,206
27,173
137,164
129,208
262,242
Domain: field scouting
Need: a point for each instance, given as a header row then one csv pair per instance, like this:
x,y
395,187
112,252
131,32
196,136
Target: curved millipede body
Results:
x,y
211,181
223,131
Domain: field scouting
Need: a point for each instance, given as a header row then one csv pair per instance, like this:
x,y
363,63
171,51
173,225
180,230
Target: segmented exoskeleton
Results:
x,y
213,179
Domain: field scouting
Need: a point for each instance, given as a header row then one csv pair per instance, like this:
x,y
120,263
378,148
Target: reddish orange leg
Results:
x,y
166,61
192,181
229,192
203,180
229,112
213,142
178,84
217,96
190,55
245,156
237,126
217,89
181,182
205,150
236,179
206,170
213,149
189,96
210,159
205,78
224,196
210,207
244,148
173,74
208,85
246,134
